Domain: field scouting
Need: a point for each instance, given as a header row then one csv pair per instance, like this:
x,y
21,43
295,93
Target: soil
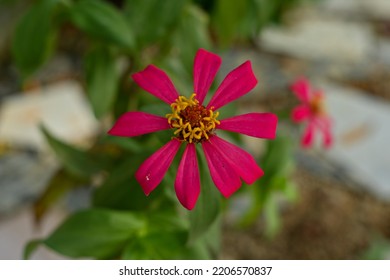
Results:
x,y
329,221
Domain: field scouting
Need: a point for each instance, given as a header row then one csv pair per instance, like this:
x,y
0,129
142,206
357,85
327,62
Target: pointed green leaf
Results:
x,y
102,80
277,164
30,247
227,18
34,36
156,17
102,21
120,190
272,216
156,246
278,158
167,220
75,161
164,237
129,144
197,251
94,233
191,34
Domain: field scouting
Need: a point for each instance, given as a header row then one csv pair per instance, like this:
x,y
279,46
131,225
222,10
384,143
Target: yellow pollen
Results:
x,y
317,105
192,122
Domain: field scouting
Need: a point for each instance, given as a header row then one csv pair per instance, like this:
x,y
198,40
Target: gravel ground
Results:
x,y
329,221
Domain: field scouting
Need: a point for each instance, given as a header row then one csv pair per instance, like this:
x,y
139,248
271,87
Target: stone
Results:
x,y
349,7
23,176
18,229
383,54
62,108
374,9
377,9
321,39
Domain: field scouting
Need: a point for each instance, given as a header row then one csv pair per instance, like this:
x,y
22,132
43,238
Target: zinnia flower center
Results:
x,y
317,105
192,121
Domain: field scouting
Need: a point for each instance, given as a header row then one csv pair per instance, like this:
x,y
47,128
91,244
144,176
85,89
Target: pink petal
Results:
x,y
206,66
300,113
302,90
325,124
261,125
308,135
152,170
187,183
137,123
156,82
328,138
242,161
224,176
237,83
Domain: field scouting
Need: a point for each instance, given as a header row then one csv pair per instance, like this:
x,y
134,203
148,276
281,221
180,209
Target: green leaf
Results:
x,y
272,216
378,249
159,109
167,220
102,80
278,158
34,37
207,207
227,18
290,191
102,21
30,247
264,11
212,238
164,237
197,251
125,98
157,246
129,144
75,161
278,165
206,246
250,24
191,34
156,17
95,233
120,190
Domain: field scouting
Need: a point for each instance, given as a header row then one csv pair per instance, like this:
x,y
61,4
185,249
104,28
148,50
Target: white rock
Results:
x,y
62,108
22,178
383,54
321,39
344,6
362,133
17,230
376,9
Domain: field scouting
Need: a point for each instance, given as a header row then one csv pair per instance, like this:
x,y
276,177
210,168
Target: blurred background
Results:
x,y
50,61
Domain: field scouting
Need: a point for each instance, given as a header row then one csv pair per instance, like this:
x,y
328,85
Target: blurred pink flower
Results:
x,y
312,111
194,123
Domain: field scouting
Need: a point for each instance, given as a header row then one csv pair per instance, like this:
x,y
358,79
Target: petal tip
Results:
x,y
189,207
253,80
155,81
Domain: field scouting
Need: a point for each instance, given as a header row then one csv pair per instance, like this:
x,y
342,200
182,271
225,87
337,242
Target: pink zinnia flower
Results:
x,y
312,111
193,123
